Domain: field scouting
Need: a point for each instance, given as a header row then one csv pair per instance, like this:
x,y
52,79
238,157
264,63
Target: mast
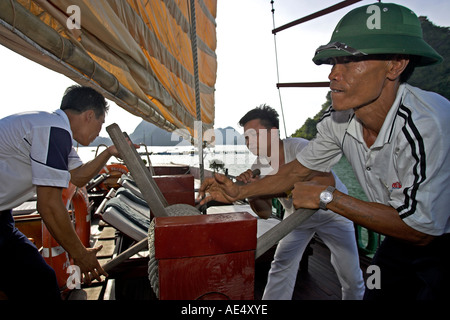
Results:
x,y
198,128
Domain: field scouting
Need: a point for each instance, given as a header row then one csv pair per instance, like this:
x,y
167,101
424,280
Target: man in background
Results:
x,y
261,130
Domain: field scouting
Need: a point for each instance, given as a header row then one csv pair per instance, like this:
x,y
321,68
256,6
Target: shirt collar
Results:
x,y
64,116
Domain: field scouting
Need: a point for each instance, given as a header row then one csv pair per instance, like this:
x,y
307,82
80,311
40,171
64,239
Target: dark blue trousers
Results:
x,y
410,272
24,274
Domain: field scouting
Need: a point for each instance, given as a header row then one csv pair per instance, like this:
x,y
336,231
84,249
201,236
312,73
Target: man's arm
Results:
x,y
83,174
222,189
262,207
374,216
56,218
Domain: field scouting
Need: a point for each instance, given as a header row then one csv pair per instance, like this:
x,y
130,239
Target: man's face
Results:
x,y
355,84
92,127
96,127
258,137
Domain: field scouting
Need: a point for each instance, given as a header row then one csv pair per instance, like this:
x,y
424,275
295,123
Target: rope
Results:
x,y
14,15
199,126
278,71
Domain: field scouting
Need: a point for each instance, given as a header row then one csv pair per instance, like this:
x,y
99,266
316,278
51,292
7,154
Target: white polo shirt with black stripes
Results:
x,y
408,166
35,149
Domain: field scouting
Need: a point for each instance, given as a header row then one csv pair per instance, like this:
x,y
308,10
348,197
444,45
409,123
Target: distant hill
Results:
x,y
151,135
437,77
227,136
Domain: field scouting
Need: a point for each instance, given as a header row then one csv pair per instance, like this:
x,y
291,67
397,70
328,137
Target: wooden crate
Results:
x,y
206,256
177,188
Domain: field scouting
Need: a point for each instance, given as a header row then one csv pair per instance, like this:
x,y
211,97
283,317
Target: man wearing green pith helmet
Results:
x,y
395,137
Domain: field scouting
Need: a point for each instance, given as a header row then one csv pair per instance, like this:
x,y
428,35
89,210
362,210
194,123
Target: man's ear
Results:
x,y
396,67
89,115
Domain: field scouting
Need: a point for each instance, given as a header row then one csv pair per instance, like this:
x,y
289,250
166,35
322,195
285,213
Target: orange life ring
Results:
x,y
115,170
80,203
76,200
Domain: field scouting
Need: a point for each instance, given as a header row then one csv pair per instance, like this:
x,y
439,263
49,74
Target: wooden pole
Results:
x,y
111,264
317,14
324,84
139,171
271,237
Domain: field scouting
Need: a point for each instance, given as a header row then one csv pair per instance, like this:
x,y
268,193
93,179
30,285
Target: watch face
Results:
x,y
326,196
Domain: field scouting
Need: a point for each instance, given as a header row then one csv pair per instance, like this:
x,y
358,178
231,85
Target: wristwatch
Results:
x,y
326,197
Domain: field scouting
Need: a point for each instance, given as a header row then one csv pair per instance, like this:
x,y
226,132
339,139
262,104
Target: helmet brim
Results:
x,y
383,44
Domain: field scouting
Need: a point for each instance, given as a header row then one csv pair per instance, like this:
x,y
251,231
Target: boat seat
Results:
x,y
133,201
127,182
126,219
127,211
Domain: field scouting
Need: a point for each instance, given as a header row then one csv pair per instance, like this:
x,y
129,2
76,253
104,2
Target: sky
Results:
x,y
247,72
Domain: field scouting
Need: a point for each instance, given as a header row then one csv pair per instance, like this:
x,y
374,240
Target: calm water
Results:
x,y
236,158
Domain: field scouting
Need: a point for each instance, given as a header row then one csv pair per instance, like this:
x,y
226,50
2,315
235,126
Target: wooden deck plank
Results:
x,y
109,246
108,233
93,292
320,281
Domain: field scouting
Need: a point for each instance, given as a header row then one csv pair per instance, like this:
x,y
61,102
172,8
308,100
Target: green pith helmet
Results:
x,y
380,28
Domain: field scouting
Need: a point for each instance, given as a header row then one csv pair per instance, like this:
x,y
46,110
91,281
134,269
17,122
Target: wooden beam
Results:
x,y
139,171
271,237
325,84
317,14
111,264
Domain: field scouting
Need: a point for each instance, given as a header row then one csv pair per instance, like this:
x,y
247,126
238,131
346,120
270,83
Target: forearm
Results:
x,y
278,184
56,218
83,174
222,189
262,207
377,217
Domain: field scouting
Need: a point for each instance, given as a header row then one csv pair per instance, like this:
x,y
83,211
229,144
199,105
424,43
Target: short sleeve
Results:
x,y
49,155
324,151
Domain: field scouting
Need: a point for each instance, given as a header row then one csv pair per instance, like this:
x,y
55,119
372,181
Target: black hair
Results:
x,y
79,99
266,115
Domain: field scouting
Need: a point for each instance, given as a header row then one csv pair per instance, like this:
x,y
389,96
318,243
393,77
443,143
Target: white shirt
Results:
x,y
35,149
292,147
408,166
